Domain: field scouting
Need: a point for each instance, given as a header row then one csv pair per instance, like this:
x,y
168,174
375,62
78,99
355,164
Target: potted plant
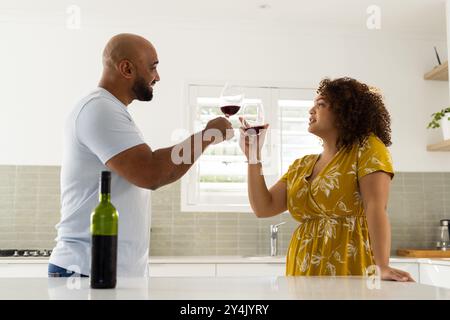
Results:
x,y
441,119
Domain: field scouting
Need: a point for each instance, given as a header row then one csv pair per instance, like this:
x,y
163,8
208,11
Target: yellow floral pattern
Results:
x,y
332,237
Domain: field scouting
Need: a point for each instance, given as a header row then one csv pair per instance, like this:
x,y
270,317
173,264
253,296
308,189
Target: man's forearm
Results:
x,y
380,235
178,159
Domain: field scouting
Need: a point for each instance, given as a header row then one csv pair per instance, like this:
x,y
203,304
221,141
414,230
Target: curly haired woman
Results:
x,y
339,197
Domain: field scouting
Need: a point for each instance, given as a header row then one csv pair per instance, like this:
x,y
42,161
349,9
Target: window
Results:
x,y
218,180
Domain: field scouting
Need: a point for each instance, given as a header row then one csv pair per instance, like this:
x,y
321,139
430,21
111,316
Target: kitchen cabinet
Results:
x,y
412,268
250,269
216,270
435,275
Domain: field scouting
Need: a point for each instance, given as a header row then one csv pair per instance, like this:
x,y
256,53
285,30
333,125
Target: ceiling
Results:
x,y
406,16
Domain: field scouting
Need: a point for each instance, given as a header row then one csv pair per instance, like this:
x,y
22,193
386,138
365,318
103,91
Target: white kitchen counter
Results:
x,y
226,259
227,288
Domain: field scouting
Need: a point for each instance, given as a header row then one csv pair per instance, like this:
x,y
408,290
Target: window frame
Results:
x,y
272,169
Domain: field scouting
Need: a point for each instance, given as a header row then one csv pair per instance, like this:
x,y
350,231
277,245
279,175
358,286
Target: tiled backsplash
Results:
x,y
29,210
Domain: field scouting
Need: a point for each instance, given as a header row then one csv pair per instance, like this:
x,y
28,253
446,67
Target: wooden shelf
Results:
x,y
439,72
441,146
423,253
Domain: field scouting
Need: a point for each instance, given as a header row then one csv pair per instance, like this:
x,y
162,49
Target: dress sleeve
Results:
x,y
292,169
374,156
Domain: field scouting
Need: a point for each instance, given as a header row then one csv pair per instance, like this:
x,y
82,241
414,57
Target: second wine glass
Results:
x,y
253,117
231,99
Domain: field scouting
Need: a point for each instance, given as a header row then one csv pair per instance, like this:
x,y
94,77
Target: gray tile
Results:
x,y
436,178
25,203
161,243
227,251
53,190
412,176
7,192
46,228
201,251
228,244
206,223
7,180
40,244
414,188
180,228
8,244
227,230
202,216
27,169
7,168
205,238
160,252
247,237
227,237
7,235
248,230
180,251
6,203
52,170
162,219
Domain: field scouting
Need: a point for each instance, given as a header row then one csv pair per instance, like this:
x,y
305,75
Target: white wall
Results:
x,y
447,14
47,67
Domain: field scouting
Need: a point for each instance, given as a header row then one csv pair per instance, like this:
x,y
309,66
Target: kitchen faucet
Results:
x,y
274,238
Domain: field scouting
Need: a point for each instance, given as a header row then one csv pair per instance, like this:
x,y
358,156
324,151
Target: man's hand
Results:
x,y
218,130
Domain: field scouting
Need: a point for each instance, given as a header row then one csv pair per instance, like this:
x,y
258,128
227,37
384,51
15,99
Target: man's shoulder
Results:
x,y
97,102
101,97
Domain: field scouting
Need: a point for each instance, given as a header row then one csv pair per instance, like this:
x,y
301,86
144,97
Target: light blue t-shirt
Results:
x,y
98,128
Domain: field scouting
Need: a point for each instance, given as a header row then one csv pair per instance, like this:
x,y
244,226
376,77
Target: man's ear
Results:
x,y
126,68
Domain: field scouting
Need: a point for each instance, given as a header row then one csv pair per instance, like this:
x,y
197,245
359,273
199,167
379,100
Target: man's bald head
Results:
x,y
126,46
129,65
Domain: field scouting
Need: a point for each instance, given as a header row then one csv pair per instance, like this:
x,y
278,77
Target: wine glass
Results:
x,y
231,99
253,117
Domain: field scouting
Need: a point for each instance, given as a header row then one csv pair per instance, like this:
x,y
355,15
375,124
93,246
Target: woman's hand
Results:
x,y
388,273
251,144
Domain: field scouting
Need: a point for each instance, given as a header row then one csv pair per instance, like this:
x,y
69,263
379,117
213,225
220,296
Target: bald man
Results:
x,y
101,135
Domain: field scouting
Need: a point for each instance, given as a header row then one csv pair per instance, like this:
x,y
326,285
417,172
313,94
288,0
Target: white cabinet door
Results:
x,y
411,267
23,270
250,269
435,275
182,270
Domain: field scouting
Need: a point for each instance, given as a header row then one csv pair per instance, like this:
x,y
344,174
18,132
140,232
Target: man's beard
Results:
x,y
142,91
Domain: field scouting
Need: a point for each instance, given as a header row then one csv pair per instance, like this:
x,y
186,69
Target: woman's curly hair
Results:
x,y
359,110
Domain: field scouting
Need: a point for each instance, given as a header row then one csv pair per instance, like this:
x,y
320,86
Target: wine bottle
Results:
x,y
104,229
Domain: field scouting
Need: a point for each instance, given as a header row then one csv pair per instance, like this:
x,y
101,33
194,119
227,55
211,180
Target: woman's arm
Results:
x,y
374,189
264,202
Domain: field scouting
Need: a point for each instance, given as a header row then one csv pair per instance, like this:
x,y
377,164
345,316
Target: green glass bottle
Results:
x,y
104,229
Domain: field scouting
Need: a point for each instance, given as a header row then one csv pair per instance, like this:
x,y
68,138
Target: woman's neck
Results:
x,y
329,146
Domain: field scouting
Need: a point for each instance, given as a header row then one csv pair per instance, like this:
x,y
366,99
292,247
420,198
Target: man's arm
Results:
x,y
153,169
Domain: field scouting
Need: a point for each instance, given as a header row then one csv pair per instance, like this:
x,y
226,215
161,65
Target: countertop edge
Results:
x,y
225,260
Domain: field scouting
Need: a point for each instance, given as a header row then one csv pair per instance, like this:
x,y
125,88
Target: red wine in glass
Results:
x,y
230,110
253,130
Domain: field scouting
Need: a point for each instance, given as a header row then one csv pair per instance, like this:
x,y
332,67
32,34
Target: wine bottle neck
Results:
x,y
105,197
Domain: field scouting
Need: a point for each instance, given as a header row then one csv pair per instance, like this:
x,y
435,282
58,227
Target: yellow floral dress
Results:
x,y
332,237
